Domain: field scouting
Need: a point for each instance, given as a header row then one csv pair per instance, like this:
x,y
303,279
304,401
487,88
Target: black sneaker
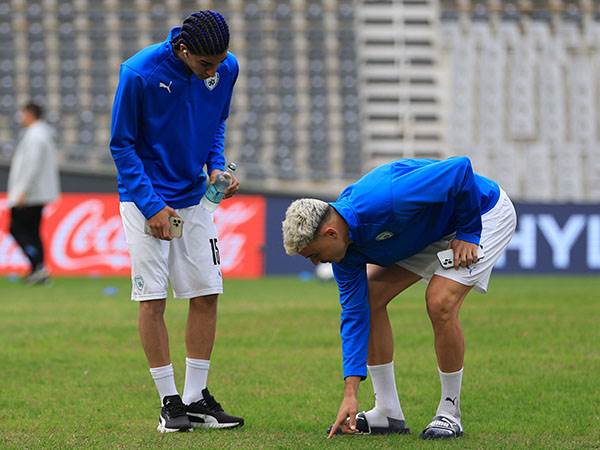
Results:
x,y
395,426
442,427
172,416
207,413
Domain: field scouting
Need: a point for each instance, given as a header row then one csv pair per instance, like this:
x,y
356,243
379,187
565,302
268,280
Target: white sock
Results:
x,y
196,374
450,400
387,403
164,380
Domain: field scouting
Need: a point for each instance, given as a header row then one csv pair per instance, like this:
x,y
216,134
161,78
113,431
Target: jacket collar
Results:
x,y
177,63
347,212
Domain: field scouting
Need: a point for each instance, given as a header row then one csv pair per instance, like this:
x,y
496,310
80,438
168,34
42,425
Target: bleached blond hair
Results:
x,y
302,220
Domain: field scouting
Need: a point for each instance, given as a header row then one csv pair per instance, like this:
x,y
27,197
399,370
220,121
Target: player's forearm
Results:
x,y
351,385
216,157
133,177
467,203
468,216
355,325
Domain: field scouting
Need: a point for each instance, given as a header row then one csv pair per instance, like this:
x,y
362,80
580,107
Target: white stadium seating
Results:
x,y
330,88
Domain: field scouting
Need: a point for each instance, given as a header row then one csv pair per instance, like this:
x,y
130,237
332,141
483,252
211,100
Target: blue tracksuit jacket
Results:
x,y
394,212
166,126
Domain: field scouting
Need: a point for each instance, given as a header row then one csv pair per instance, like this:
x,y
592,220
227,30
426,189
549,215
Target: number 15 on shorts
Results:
x,y
215,251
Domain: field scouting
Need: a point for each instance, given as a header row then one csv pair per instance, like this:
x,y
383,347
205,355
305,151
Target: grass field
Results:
x,y
73,374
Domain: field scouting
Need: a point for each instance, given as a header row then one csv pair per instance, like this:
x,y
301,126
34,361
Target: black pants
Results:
x,y
25,228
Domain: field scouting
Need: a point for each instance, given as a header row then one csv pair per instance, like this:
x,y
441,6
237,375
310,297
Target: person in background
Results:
x,y
33,182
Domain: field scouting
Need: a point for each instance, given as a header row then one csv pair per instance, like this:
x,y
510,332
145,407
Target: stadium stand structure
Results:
x,y
523,101
401,80
330,88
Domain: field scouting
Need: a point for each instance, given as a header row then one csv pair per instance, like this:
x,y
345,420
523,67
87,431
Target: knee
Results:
x,y
152,308
441,309
378,297
377,303
204,304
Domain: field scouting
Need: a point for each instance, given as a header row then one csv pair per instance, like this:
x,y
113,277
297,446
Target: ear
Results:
x,y
330,232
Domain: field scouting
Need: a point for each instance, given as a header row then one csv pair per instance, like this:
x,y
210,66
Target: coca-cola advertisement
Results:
x,y
83,235
241,224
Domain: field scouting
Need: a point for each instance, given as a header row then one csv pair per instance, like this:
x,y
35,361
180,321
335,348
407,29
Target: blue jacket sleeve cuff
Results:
x,y
211,167
152,208
356,373
468,237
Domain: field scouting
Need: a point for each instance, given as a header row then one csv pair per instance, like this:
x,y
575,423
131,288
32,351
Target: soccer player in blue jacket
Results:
x,y
168,124
382,235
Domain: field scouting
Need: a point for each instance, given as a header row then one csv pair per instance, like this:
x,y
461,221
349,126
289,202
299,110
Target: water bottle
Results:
x,y
216,191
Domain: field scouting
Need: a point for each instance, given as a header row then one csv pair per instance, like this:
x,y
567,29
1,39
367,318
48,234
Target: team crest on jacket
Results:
x,y
212,82
384,235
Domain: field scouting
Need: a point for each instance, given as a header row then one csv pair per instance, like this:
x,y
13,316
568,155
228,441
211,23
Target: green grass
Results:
x,y
73,374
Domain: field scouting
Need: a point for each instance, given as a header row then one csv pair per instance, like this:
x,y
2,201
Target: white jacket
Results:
x,y
34,168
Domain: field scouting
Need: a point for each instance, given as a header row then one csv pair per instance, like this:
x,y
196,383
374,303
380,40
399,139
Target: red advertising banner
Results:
x,y
83,235
241,222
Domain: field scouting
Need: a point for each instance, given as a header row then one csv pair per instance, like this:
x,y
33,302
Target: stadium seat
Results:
x,y
517,81
539,182
568,167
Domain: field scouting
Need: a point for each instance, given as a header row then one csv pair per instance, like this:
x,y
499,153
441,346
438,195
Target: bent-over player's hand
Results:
x,y
159,224
465,253
233,187
346,417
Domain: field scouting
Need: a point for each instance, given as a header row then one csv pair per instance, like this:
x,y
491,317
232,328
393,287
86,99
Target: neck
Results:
x,y
341,225
179,55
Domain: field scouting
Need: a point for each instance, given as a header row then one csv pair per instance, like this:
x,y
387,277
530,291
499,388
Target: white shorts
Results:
x,y
498,227
191,263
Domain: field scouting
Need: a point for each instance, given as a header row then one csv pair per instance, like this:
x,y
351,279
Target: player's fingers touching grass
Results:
x,y
352,419
346,417
339,423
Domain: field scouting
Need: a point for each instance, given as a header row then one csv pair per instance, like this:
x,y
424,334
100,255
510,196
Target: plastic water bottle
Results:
x,y
216,191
